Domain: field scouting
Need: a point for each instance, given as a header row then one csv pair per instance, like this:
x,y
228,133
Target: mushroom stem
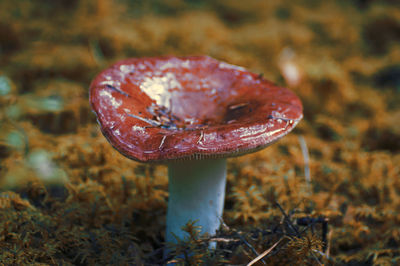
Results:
x,y
196,193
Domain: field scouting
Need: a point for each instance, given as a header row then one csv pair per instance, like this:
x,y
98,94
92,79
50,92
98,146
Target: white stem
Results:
x,y
196,193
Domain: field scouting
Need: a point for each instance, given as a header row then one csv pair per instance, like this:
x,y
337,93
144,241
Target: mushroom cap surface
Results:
x,y
175,108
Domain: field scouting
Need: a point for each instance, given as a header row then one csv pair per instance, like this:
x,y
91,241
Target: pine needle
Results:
x,y
304,151
265,253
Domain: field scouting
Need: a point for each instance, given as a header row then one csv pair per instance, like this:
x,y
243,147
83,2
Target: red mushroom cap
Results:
x,y
172,108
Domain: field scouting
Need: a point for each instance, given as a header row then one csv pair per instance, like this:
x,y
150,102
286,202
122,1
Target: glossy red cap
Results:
x,y
175,108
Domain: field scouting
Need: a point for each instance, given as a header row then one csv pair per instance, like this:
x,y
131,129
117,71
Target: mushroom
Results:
x,y
190,113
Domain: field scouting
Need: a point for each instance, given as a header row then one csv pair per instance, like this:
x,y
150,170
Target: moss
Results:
x,y
83,203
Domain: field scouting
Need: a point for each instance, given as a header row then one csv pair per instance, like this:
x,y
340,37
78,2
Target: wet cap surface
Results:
x,y
173,108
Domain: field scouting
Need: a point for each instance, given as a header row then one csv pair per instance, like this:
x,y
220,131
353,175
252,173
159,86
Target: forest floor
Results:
x,y
68,198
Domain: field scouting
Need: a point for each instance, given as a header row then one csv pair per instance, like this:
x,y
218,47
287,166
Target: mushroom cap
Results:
x,y
174,108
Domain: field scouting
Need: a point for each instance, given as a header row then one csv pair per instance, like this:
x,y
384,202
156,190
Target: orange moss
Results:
x,y
69,198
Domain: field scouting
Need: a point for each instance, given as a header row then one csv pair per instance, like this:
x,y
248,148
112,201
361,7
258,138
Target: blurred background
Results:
x,y
84,203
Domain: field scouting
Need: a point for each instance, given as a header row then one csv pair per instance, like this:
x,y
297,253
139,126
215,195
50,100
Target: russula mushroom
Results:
x,y
190,113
